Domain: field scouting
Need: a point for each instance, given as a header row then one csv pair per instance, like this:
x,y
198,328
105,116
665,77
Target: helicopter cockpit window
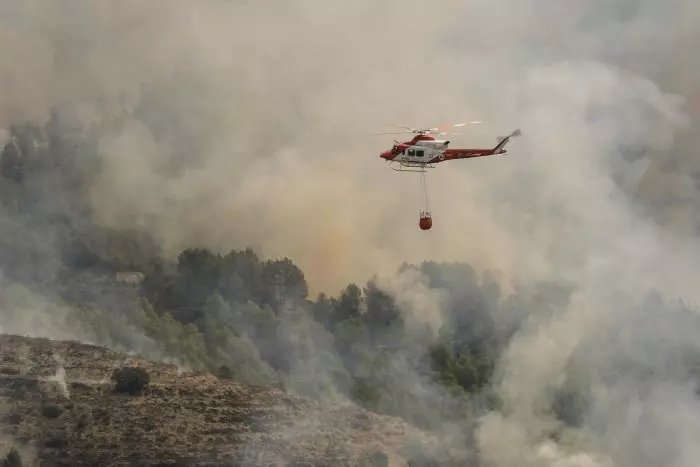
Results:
x,y
411,152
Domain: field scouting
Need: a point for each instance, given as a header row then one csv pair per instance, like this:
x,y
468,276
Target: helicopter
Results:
x,y
424,151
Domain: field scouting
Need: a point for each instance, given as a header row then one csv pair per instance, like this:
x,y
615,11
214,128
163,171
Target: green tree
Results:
x,y
241,277
349,304
382,313
198,272
284,284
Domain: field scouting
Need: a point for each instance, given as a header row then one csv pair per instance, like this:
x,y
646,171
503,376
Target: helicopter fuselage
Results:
x,y
422,152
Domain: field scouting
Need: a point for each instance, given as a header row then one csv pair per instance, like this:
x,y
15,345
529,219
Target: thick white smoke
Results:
x,y
265,106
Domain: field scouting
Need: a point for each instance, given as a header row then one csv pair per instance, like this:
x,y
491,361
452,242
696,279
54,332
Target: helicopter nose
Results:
x,y
384,154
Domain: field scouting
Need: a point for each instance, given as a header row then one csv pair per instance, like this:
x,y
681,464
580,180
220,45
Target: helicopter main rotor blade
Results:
x,y
440,128
406,127
456,125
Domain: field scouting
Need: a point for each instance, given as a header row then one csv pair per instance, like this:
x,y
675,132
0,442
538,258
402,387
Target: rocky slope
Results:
x,y
58,407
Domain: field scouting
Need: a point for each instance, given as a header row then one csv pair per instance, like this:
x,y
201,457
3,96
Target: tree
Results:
x,y
382,312
199,262
11,162
349,305
285,285
322,311
198,272
241,277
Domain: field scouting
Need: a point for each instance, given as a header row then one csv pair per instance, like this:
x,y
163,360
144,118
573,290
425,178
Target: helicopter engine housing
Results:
x,y
436,143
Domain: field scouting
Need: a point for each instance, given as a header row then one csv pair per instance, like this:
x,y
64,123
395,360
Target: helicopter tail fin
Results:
x,y
503,140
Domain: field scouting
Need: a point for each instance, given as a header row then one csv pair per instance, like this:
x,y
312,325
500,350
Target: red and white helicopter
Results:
x,y
423,151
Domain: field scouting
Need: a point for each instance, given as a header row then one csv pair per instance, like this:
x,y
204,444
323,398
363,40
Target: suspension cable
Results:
x,y
425,203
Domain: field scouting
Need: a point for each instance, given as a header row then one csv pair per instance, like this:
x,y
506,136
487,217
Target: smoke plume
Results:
x,y
254,134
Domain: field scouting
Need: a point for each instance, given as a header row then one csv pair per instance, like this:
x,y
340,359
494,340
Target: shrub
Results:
x,y
12,459
379,459
51,411
130,380
225,372
422,460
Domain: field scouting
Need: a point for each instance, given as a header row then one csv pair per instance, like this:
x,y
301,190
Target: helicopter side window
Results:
x,y
419,153
411,152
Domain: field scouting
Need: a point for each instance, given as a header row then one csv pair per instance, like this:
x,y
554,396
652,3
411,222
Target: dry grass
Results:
x,y
193,418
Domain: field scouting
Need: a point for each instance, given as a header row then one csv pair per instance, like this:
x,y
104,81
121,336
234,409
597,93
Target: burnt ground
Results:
x,y
58,407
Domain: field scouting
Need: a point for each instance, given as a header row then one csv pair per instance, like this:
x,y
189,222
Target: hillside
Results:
x,y
186,418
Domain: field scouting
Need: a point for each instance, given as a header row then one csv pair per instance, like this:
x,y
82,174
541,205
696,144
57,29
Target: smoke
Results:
x,y
245,127
416,299
60,379
256,119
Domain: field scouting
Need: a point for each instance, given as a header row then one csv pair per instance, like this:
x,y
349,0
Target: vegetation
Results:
x,y
246,318
379,459
51,410
130,380
12,459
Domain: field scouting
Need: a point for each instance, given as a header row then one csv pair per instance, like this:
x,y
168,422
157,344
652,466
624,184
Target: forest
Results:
x,y
252,320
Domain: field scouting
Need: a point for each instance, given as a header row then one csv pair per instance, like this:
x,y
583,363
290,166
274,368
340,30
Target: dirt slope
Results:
x,y
57,405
